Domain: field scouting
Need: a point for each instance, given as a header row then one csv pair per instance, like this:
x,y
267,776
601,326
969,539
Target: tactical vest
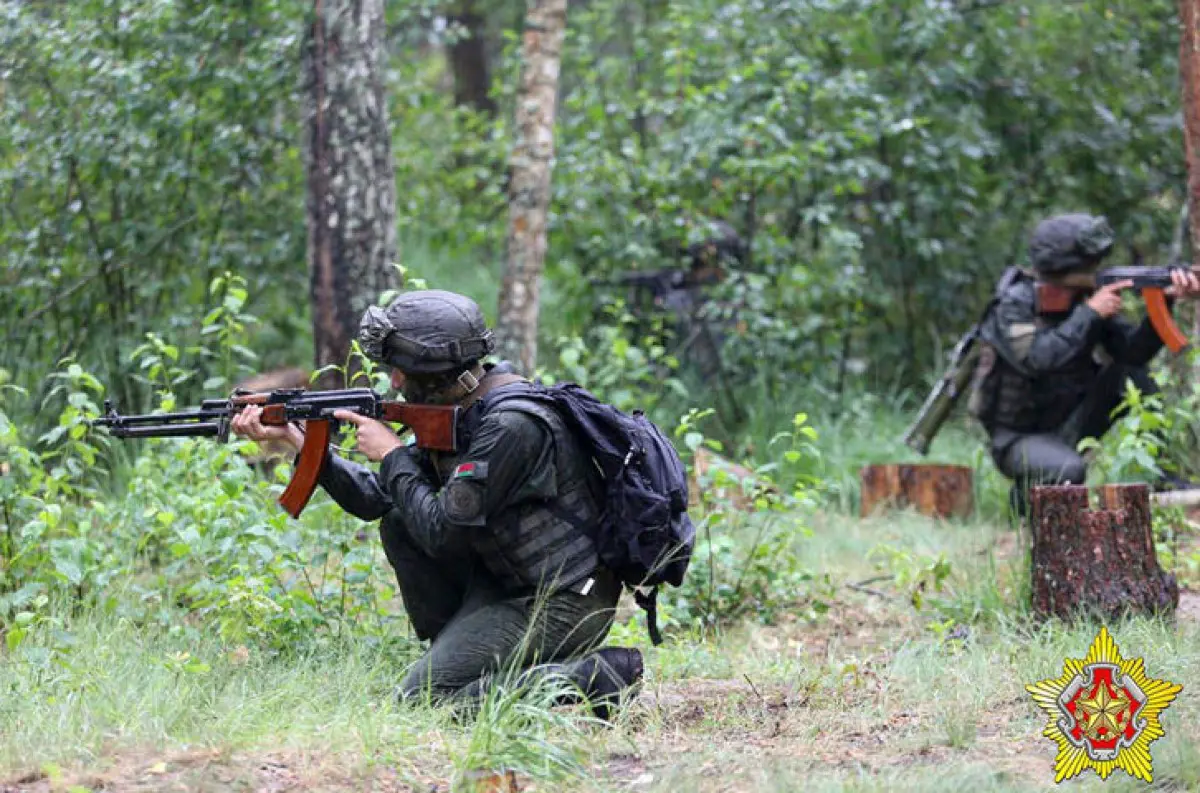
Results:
x,y
1004,396
537,544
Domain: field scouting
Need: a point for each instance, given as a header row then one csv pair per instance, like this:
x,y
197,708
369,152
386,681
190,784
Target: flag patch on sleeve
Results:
x,y
469,471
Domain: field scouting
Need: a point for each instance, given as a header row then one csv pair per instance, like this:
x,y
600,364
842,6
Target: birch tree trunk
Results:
x,y
351,184
529,185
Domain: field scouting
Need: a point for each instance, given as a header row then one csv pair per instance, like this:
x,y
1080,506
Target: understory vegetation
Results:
x,y
163,624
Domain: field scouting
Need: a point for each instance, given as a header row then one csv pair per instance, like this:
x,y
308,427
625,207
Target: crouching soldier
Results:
x,y
490,546
1051,377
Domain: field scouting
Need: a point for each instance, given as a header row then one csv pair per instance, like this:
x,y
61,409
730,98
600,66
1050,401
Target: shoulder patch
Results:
x,y
470,471
463,503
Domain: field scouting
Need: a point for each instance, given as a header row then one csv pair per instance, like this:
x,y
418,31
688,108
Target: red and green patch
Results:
x,y
464,471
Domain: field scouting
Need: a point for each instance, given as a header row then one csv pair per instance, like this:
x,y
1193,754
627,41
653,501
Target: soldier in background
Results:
x,y
1047,380
681,296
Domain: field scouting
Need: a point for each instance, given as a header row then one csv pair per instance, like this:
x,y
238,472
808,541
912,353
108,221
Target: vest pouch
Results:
x,y
981,403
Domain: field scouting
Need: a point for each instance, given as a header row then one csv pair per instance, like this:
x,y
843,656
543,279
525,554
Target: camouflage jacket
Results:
x,y
1046,363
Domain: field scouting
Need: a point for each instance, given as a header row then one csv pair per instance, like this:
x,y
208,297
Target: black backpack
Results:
x,y
644,534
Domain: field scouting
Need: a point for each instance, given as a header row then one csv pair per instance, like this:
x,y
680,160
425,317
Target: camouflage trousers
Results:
x,y
1041,458
476,629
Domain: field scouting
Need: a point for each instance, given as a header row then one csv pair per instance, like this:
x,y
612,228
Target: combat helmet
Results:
x,y
1069,242
426,332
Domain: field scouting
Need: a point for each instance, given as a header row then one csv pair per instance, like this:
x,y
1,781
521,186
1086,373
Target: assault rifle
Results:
x,y
1056,295
434,426
944,396
957,376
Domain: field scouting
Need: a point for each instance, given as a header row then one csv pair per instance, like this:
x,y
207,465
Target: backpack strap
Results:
x,y
491,382
649,603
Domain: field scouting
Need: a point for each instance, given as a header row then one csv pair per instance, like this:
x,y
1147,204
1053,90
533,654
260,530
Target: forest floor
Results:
x,y
872,695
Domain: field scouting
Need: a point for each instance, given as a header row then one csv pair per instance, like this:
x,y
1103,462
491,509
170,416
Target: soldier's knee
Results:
x,y
1074,472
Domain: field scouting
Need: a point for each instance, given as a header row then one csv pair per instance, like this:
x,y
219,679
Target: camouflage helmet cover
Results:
x,y
426,332
1069,242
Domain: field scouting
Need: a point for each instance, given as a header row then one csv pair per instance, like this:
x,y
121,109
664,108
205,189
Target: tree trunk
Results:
x,y
1189,73
351,185
1096,562
468,58
529,186
939,491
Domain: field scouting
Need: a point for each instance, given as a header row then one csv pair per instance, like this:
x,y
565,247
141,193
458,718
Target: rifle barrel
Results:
x,y
162,418
203,429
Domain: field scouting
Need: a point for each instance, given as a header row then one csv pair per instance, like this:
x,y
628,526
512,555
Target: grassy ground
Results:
x,y
874,695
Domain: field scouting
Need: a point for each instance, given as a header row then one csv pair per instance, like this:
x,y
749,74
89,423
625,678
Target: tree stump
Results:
x,y
1100,562
939,491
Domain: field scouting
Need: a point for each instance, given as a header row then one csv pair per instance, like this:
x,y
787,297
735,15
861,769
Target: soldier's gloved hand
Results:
x,y
248,424
1184,284
1107,300
375,439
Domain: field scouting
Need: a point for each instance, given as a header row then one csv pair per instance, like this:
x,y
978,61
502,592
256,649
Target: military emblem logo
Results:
x,y
1103,712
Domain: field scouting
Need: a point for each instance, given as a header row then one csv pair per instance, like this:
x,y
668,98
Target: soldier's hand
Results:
x,y
1107,300
248,424
375,439
1184,284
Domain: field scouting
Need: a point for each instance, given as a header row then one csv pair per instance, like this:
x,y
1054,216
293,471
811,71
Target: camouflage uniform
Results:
x,y
474,538
1052,379
490,546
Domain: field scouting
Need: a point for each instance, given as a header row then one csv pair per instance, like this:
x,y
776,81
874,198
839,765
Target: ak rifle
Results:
x,y
1059,295
434,426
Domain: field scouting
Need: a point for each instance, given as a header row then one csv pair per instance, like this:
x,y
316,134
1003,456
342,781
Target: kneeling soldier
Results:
x,y
490,546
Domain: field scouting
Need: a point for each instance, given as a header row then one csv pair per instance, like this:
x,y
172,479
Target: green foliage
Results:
x,y
746,562
629,374
146,148
1133,450
876,156
194,530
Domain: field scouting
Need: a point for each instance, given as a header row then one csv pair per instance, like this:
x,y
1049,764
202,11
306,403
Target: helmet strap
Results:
x,y
462,386
468,381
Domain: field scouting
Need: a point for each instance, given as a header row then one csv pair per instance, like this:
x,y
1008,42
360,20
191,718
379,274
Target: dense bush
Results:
x,y
876,157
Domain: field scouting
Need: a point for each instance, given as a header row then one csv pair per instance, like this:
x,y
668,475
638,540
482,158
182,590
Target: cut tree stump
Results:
x,y
723,480
940,491
1099,562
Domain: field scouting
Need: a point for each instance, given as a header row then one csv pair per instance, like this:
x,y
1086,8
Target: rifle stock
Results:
x,y
434,426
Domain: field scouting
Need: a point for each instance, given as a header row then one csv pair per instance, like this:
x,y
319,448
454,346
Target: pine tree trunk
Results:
x,y
351,186
529,187
468,58
1097,562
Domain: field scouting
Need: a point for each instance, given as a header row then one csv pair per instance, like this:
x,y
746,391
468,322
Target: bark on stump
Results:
x,y
939,491
1098,562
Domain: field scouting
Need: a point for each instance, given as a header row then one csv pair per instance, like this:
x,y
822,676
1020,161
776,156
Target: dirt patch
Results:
x,y
215,771
1189,607
712,732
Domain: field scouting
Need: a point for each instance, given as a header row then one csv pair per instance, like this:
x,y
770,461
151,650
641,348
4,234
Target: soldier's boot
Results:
x,y
599,678
603,676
